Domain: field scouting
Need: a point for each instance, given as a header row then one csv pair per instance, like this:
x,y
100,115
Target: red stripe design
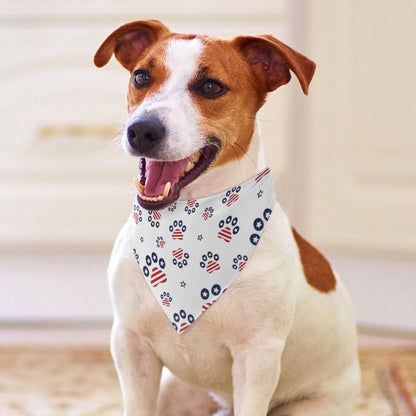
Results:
x,y
232,199
166,302
157,277
191,203
225,234
205,215
212,266
184,325
177,234
157,215
207,305
241,265
178,254
262,175
136,217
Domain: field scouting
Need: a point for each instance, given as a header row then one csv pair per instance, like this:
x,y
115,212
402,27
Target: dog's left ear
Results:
x,y
129,41
272,61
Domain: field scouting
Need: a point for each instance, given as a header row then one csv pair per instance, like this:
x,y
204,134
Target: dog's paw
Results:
x,y
231,196
182,321
153,270
258,225
180,258
228,228
210,262
177,228
239,262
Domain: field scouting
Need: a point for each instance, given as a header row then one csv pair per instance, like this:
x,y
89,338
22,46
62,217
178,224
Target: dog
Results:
x,y
281,340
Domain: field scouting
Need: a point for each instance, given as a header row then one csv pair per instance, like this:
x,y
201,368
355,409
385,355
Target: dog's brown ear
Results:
x,y
129,41
272,61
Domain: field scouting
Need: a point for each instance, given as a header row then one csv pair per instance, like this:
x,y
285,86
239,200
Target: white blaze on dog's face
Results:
x,y
171,104
193,99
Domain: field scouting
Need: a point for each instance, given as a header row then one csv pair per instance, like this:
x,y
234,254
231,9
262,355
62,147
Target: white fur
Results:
x,y
303,354
172,104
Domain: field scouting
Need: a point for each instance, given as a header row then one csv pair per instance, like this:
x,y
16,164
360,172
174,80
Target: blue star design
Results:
x,y
259,225
183,284
200,237
260,193
215,290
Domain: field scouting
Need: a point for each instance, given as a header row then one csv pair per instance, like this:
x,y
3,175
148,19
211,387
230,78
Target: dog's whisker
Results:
x,y
261,120
245,152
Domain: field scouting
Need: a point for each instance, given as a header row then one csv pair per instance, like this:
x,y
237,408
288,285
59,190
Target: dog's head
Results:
x,y
193,99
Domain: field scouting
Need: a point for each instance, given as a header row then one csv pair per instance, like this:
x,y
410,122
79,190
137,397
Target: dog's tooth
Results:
x,y
189,166
194,158
138,185
166,190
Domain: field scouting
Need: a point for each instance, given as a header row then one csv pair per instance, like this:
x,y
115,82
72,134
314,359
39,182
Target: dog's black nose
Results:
x,y
143,134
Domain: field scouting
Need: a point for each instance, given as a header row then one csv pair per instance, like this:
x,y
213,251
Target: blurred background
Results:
x,y
344,157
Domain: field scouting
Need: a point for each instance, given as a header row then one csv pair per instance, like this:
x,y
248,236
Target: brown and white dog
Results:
x,y
192,102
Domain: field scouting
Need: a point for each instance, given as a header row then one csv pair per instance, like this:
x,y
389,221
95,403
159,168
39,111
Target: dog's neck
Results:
x,y
220,178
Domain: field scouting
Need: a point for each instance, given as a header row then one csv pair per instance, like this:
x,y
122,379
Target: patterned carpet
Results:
x,y
78,381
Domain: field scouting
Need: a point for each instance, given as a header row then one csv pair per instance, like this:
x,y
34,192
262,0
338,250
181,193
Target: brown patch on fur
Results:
x,y
230,117
153,62
317,270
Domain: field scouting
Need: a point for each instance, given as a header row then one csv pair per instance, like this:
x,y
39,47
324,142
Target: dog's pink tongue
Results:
x,y
159,173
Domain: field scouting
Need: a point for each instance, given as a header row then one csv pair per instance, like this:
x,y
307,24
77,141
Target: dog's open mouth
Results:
x,y
160,181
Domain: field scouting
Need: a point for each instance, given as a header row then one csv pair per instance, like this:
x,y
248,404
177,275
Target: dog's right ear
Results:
x,y
129,41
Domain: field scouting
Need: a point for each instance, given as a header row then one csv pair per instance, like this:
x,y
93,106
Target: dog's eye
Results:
x,y
141,78
210,88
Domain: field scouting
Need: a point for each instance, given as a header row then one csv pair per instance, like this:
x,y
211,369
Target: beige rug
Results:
x,y
82,382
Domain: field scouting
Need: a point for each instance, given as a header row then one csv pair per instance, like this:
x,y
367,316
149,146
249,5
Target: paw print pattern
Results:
x,y
208,212
258,225
228,228
166,299
172,208
177,229
153,218
160,242
231,196
136,255
154,270
182,321
180,258
239,262
191,206
137,214
208,296
210,262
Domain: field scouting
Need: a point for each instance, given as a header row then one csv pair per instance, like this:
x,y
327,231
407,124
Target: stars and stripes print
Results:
x,y
191,252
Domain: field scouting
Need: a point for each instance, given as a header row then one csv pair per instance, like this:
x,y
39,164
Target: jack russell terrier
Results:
x,y
208,278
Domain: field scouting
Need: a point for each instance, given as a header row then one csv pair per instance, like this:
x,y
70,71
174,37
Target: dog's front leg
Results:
x,y
256,372
139,371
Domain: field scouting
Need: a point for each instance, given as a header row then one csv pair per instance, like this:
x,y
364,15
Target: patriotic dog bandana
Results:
x,y
191,251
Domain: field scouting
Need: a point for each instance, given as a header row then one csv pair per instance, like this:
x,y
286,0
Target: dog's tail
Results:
x,y
178,398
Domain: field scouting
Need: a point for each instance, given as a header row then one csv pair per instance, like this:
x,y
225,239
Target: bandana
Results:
x,y
191,251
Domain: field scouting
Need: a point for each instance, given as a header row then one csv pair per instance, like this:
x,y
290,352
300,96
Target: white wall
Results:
x,y
343,157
